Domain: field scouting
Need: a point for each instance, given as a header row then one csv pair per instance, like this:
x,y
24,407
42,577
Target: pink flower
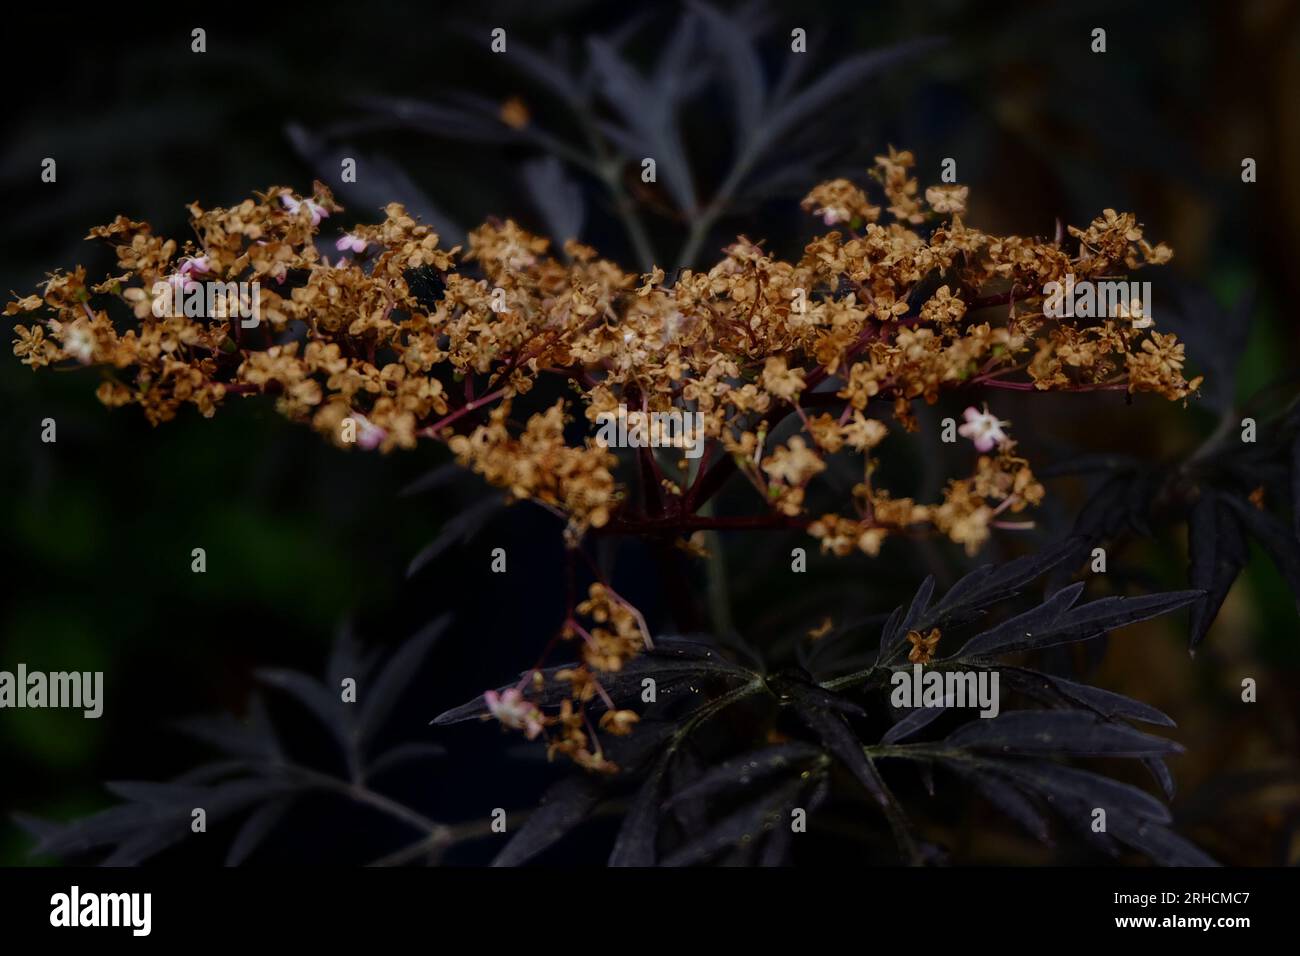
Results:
x,y
830,216
983,429
348,242
369,435
318,212
182,281
512,710
191,265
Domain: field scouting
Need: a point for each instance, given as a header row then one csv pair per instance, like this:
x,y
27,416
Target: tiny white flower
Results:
x,y
350,243
80,342
318,212
983,429
369,435
513,710
832,215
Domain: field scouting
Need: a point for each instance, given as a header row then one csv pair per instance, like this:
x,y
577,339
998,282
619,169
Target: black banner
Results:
x,y
333,906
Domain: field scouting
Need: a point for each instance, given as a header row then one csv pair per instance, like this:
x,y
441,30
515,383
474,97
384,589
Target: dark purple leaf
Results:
x,y
745,771
915,721
326,705
1218,551
1012,634
404,753
1074,793
256,828
1278,541
744,826
846,77
893,638
1059,690
440,477
1160,771
990,584
563,807
1034,630
1162,845
382,694
458,529
635,844
838,737
744,71
557,197
1051,732
1007,799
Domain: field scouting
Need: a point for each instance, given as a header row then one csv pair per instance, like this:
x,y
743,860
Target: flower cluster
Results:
x,y
398,340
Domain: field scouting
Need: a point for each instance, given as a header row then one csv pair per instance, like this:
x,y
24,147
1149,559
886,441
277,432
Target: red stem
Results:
x,y
432,430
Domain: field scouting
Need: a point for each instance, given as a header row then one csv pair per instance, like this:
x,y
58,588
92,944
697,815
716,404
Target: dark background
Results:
x,y
98,528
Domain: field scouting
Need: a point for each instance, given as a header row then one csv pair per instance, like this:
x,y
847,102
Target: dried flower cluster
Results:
x,y
398,339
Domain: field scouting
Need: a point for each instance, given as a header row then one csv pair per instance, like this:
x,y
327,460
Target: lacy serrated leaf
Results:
x,y
839,739
402,754
253,740
1055,622
445,474
460,528
1218,551
1214,338
383,693
256,828
563,806
1278,541
915,721
896,629
744,70
1074,792
746,770
1008,800
311,693
557,197
1059,691
989,584
1050,732
1162,845
845,77
744,825
650,127
638,834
